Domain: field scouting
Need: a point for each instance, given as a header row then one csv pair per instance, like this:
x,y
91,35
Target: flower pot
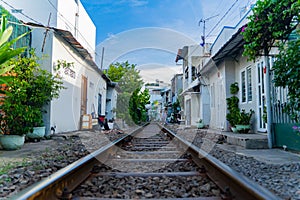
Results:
x,y
234,129
243,128
200,125
38,133
12,142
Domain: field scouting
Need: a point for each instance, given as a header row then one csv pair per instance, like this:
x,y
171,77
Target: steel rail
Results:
x,y
229,180
61,183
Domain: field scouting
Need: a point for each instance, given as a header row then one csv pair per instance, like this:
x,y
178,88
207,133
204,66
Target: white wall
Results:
x,y
65,111
62,16
218,98
86,34
38,10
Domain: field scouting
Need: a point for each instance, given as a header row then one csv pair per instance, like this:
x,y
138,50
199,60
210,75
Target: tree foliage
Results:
x,y
287,73
25,95
272,20
131,100
137,103
271,25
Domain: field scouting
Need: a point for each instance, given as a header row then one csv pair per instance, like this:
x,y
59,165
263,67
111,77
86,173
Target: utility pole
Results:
x,y
204,21
47,29
102,57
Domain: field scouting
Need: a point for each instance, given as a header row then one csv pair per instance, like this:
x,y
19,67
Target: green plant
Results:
x,y
234,88
271,25
27,93
200,121
6,52
244,118
264,116
233,105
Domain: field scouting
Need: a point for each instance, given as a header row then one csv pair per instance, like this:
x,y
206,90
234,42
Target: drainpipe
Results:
x,y
268,101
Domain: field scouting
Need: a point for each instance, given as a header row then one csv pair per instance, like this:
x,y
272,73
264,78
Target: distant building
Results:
x,y
157,101
195,93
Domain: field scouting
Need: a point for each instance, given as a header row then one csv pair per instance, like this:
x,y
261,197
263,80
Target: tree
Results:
x,y
130,83
271,24
272,21
137,103
287,73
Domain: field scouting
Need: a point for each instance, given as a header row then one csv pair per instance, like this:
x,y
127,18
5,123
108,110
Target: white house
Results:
x,y
195,95
63,31
226,66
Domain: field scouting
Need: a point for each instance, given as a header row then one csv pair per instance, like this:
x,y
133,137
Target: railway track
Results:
x,y
151,162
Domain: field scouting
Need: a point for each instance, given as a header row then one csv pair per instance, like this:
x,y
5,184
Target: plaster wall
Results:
x,y
65,111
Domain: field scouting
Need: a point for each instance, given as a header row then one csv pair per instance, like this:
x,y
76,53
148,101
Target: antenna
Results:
x,y
204,20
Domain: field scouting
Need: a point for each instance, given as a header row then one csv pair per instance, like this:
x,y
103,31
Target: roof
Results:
x,y
69,38
231,48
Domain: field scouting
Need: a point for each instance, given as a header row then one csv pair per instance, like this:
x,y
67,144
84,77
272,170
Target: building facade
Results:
x,y
64,32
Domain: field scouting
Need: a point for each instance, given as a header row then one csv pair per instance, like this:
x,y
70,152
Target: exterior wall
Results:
x,y
64,113
205,105
68,105
195,111
243,64
218,97
39,10
76,20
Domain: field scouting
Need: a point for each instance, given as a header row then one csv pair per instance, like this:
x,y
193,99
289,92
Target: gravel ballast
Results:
x,y
282,179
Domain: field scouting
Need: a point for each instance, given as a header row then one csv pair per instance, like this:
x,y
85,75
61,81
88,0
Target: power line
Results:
x,y
39,23
21,13
222,18
71,26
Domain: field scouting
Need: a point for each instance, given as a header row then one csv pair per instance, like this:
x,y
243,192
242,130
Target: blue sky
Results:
x,y
149,32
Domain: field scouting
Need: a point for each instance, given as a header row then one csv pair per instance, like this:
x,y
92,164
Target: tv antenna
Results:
x,y
204,21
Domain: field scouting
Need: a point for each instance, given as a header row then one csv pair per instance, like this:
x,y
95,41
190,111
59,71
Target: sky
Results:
x,y
149,33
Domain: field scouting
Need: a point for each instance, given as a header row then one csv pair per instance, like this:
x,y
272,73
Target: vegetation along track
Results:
x,y
152,163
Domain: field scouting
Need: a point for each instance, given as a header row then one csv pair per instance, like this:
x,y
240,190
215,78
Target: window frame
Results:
x,y
246,86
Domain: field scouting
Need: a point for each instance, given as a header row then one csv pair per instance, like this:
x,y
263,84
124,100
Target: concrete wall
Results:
x,y
205,104
63,16
65,111
217,97
242,65
76,20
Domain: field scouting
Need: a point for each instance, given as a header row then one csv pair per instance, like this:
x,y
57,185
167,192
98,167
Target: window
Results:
x,y
246,85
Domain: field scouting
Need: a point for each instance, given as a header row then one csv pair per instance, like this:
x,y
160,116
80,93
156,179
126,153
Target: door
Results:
x,y
261,97
83,95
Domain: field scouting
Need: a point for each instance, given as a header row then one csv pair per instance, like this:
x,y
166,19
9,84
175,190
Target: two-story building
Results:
x,y
63,31
195,94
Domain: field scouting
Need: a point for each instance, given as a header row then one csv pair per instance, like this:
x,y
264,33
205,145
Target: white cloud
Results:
x,y
151,72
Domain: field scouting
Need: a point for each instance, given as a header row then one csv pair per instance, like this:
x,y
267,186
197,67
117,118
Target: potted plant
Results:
x,y
200,124
11,136
233,106
39,88
244,121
